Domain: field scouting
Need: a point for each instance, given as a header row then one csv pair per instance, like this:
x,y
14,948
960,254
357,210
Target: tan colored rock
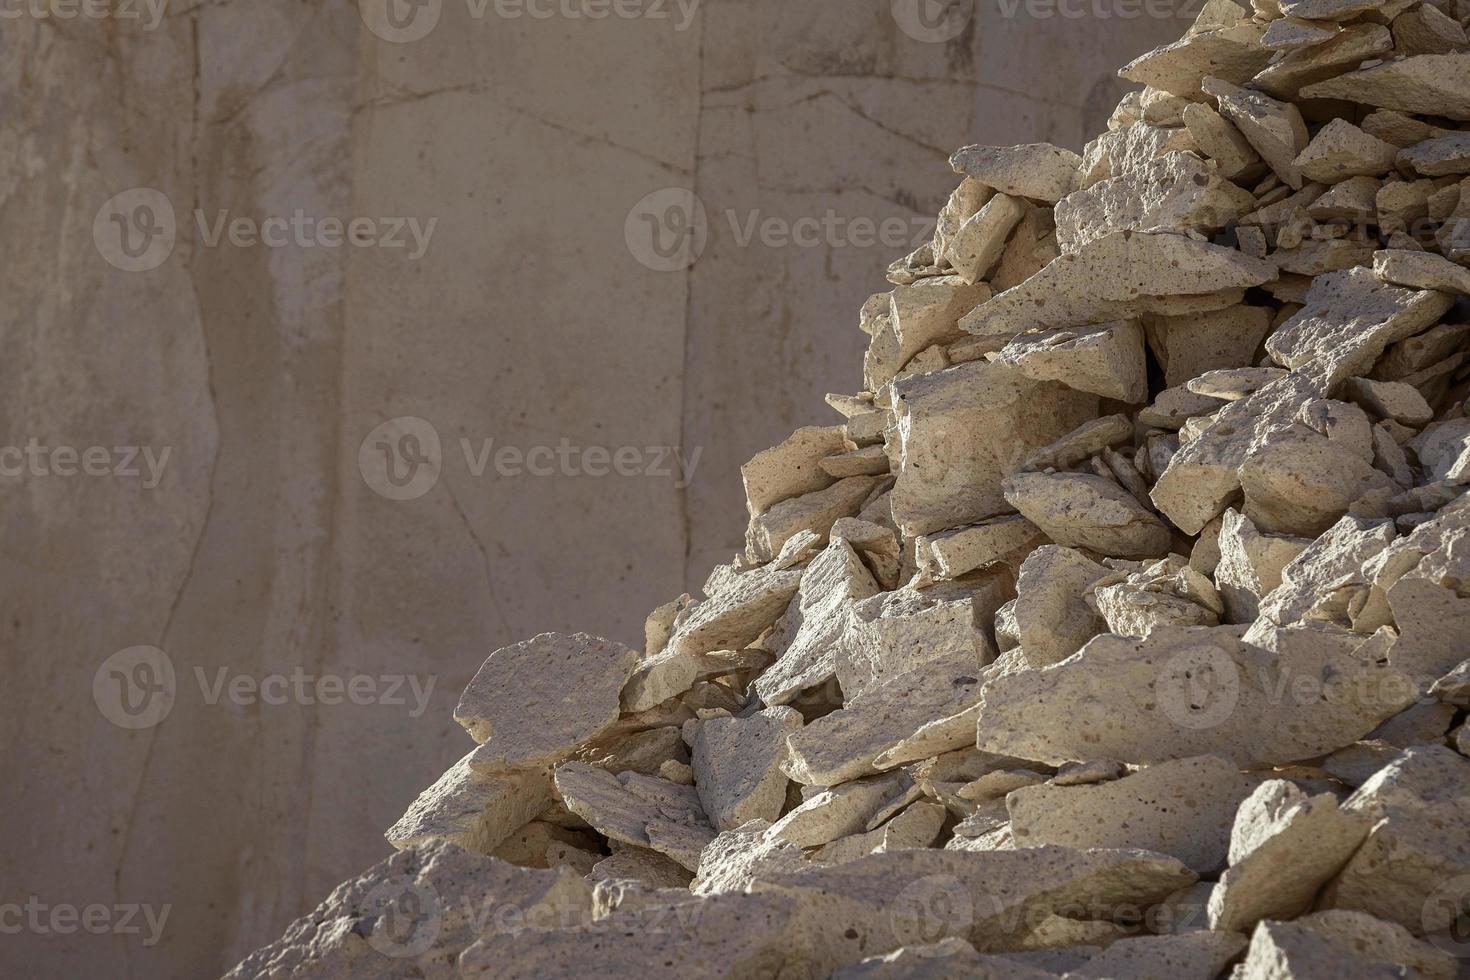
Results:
x,y
1381,942
1341,150
816,511
1197,691
1198,955
1285,77
1292,951
979,242
1285,845
1040,171
838,812
1391,400
1183,808
1168,592
897,632
471,810
1053,619
639,864
1233,53
1428,84
1105,359
1426,30
623,807
413,913
1251,564
731,936
845,744
1079,510
915,826
928,312
1219,140
1411,868
1436,157
1274,129
992,899
1120,276
737,614
790,468
950,554
1174,192
952,957
1421,270
960,432
1189,346
737,857
737,765
1353,200
533,703
834,581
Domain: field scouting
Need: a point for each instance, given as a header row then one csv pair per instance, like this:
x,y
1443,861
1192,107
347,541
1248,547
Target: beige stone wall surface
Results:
x,y
261,547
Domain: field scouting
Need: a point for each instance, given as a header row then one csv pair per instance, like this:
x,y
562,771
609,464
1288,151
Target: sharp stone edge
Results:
x,y
1117,628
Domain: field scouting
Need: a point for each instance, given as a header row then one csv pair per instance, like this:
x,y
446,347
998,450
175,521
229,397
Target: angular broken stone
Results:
x,y
1189,346
1341,150
791,468
960,432
1080,510
1039,171
950,554
992,899
978,243
1175,192
413,913
1412,867
1428,84
816,511
1053,620
845,744
1106,359
623,807
1291,951
1285,845
831,585
1274,129
1421,270
1251,565
533,703
894,633
736,763
472,810
1119,276
1196,691
1232,52
1183,808
838,812
737,857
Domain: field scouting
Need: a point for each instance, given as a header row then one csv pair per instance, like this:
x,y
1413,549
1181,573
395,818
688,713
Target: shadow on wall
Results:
x,y
345,347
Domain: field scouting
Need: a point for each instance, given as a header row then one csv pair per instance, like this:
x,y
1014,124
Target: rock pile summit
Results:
x,y
1120,626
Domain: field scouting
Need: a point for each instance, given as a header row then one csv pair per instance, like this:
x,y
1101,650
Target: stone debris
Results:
x,y
1115,628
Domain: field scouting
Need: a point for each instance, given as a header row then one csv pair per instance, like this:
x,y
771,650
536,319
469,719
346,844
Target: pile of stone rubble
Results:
x,y
1120,629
